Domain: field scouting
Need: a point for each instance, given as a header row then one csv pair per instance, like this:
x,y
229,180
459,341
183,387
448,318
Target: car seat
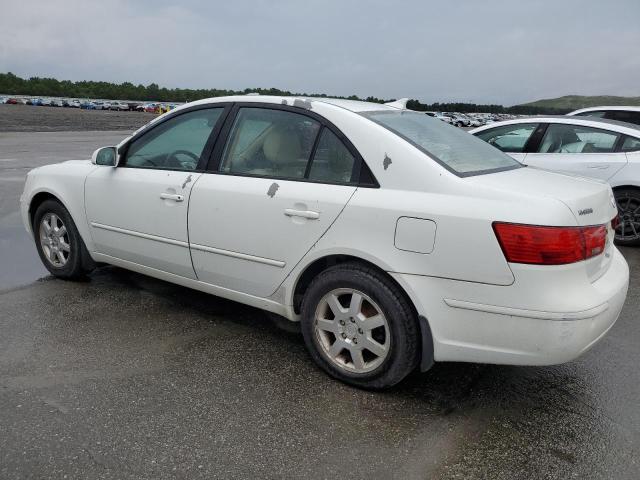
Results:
x,y
282,148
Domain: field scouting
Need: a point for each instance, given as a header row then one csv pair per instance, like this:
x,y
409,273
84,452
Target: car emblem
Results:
x,y
585,211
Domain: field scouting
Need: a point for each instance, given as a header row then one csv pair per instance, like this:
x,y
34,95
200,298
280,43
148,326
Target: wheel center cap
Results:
x,y
351,330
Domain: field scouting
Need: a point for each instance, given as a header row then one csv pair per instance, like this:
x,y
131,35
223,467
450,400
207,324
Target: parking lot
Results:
x,y
124,376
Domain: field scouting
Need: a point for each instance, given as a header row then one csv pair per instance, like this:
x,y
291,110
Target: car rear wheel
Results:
x,y
58,242
628,229
359,327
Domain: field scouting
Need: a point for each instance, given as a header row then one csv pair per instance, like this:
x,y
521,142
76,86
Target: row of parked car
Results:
x,y
469,119
92,104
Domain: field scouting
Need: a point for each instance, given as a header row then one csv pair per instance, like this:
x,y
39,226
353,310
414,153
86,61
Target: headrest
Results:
x,y
281,146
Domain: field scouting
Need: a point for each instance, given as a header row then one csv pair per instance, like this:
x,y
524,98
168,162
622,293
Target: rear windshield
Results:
x,y
452,147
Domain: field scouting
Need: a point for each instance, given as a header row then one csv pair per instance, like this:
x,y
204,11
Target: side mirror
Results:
x,y
106,156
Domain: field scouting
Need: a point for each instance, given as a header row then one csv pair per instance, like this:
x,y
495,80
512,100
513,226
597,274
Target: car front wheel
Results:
x,y
58,242
359,327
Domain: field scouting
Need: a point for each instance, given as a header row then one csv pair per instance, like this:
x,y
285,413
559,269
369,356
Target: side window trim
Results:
x,y
314,149
617,148
208,147
535,139
215,159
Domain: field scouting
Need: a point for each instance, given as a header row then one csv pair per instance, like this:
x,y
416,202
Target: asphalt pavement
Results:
x,y
123,376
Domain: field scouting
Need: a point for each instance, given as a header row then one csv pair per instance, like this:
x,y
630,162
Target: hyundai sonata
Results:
x,y
395,239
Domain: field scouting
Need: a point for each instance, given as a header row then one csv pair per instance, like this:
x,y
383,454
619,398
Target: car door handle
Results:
x,y
172,196
310,214
598,167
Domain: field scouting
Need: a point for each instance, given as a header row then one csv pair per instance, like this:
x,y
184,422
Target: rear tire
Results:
x,y
628,230
59,243
359,327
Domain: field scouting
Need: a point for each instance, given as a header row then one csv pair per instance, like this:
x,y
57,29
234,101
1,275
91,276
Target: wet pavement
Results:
x,y
126,377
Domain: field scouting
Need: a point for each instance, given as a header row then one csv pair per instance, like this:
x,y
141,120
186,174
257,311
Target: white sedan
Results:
x,y
620,113
395,239
578,145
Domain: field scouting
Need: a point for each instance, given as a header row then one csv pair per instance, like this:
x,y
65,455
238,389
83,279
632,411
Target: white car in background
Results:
x,y
119,106
443,117
395,239
619,113
460,120
586,146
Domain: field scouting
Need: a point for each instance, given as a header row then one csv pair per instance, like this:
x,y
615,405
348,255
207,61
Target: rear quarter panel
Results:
x,y
629,175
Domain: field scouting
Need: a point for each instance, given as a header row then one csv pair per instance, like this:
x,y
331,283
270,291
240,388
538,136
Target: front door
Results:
x,y
283,180
138,210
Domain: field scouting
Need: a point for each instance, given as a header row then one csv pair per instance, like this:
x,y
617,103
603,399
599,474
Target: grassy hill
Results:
x,y
573,102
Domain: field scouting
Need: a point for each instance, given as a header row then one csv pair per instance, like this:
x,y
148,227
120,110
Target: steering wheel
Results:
x,y
172,159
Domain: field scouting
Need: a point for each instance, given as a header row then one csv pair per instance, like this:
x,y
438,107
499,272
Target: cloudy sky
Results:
x,y
488,51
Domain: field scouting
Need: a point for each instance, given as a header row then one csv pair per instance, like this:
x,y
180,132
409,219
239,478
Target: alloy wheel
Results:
x,y
352,330
628,228
54,240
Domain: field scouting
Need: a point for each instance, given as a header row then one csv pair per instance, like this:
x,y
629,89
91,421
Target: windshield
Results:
x,y
452,147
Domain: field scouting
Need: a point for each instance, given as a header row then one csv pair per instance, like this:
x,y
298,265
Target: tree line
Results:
x,y
11,84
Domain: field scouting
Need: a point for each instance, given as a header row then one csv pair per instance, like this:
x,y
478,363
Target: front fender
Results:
x,y
65,182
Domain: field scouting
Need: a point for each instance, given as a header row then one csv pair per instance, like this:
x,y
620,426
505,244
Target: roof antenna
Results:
x,y
399,104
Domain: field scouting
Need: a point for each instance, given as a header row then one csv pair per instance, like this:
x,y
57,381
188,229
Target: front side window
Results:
x,y
452,147
630,144
564,138
509,138
332,162
176,144
272,143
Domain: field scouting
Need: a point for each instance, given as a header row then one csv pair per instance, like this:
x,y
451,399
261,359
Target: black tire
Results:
x,y
628,199
79,262
404,346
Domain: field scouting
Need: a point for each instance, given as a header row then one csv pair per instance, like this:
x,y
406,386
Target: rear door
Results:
x,y
281,180
579,150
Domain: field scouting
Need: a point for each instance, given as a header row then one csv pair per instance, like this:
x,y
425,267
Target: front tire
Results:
x,y
359,327
59,243
628,229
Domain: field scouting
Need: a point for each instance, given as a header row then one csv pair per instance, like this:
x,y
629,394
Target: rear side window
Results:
x,y
624,116
332,162
271,143
596,114
564,138
509,138
453,148
630,144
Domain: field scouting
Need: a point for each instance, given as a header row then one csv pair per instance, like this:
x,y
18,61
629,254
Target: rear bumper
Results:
x,y
465,328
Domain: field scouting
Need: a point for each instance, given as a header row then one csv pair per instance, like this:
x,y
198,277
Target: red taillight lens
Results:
x,y
615,221
540,245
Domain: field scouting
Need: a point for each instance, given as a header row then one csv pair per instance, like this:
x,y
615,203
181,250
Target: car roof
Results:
x,y
614,125
612,107
351,105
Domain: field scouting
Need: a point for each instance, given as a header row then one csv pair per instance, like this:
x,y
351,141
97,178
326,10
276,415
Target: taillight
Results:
x,y
540,245
615,221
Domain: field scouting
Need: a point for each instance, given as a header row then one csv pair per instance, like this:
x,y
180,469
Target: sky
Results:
x,y
482,51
